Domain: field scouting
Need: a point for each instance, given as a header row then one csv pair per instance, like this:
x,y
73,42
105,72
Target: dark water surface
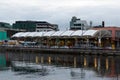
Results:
x,y
66,67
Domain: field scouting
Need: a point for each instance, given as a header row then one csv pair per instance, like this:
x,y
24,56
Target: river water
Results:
x,y
57,73
62,67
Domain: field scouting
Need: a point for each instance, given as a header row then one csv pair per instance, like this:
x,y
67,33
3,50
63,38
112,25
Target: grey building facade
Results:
x,y
78,24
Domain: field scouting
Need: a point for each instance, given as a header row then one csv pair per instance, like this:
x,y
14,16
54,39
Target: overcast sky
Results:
x,y
60,11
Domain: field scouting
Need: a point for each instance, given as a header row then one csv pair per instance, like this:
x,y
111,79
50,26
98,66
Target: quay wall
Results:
x,y
65,57
71,51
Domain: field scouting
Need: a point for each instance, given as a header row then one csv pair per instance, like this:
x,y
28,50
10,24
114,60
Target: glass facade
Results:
x,y
26,25
5,25
31,25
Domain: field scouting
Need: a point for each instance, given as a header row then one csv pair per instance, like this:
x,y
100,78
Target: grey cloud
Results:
x,y
60,15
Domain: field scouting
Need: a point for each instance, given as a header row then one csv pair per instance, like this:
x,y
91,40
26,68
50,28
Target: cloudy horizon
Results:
x,y
60,12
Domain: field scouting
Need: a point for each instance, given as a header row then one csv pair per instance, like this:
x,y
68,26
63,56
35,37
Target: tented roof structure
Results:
x,y
24,34
18,34
90,32
32,34
69,33
57,33
48,34
103,33
39,34
78,33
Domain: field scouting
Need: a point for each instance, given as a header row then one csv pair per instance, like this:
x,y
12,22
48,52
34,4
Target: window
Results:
x,y
77,24
117,33
82,24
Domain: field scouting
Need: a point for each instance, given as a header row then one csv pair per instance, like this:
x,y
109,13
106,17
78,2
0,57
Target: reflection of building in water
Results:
x,y
78,73
103,65
114,67
109,66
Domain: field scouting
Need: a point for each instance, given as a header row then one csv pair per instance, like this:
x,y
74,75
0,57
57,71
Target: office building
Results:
x,y
32,26
5,25
78,24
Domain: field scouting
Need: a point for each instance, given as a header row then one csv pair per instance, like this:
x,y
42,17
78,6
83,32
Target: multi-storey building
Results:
x,y
32,26
45,27
3,35
78,24
5,25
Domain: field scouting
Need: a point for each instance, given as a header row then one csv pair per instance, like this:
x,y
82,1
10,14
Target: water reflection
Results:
x,y
91,67
79,73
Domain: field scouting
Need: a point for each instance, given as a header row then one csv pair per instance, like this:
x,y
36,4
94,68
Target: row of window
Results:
x,y
43,30
79,25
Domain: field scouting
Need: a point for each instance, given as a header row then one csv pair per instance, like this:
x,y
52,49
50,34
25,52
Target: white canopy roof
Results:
x,y
91,33
78,33
24,34
47,34
17,34
67,33
39,34
32,34
57,33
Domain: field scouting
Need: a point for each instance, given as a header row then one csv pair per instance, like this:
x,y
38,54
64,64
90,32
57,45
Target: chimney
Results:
x,y
103,24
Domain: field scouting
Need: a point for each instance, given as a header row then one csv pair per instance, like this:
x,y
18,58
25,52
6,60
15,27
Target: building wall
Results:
x,y
29,25
78,24
5,25
46,27
3,35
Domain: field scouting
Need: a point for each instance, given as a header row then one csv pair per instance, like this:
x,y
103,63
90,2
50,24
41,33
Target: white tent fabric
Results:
x,y
17,34
32,34
57,33
48,34
39,34
103,33
24,34
78,33
91,33
67,33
